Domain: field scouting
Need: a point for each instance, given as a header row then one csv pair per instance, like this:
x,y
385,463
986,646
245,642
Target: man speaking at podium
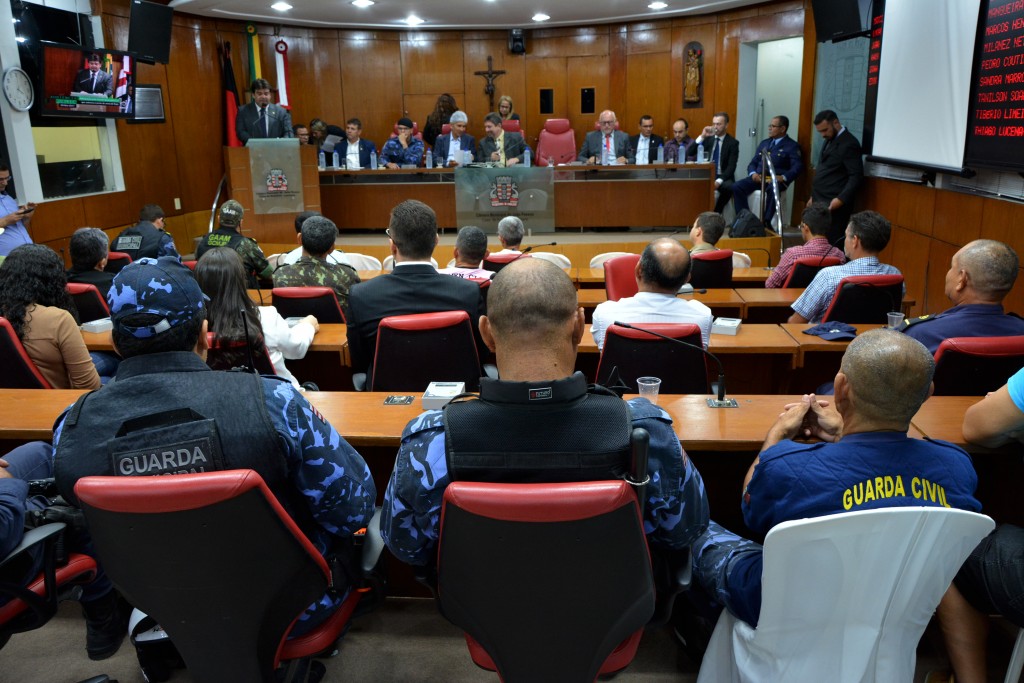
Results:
x,y
92,80
261,118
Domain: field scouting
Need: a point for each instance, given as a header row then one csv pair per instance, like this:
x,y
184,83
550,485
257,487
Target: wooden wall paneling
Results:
x,y
939,256
583,41
588,72
803,186
916,208
552,72
1001,220
371,83
647,80
56,219
111,208
957,217
314,74
418,107
476,47
908,251
882,196
432,64
618,78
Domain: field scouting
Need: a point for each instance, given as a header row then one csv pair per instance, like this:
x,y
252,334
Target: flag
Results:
x,y
281,49
254,52
122,78
230,101
108,63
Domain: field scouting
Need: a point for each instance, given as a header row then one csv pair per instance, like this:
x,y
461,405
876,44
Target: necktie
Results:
x,y
714,154
501,149
92,88
608,149
263,121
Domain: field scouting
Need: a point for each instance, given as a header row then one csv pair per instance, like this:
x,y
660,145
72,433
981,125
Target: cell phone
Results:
x,y
24,211
398,400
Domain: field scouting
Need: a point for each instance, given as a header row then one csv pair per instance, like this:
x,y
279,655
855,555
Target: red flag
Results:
x,y
230,100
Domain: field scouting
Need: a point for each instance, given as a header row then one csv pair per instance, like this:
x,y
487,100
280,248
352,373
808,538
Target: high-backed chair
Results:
x,y
845,597
191,265
712,269
599,260
446,128
620,276
415,350
974,366
635,354
865,299
415,131
226,355
19,370
557,142
298,302
218,563
496,262
511,126
805,268
116,260
90,303
560,260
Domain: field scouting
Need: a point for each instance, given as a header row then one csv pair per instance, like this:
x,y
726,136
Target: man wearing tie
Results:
x,y
840,171
262,119
787,160
500,146
92,80
607,145
724,152
645,145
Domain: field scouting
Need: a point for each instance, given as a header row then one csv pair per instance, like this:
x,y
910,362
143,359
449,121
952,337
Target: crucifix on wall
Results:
x,y
490,75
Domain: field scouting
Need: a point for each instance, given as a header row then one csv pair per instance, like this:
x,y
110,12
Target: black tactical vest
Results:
x,y
139,241
218,238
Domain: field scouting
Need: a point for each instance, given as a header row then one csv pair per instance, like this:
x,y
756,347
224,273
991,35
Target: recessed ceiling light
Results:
x,y
362,3
281,6
658,5
540,16
413,20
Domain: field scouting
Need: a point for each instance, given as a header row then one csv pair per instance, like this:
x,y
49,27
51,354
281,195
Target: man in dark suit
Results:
x,y
499,145
450,149
414,286
839,173
92,80
723,150
787,160
645,144
347,148
261,118
616,142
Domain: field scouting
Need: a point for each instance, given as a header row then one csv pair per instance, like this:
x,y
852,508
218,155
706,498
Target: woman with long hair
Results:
x,y
34,298
233,317
505,109
443,110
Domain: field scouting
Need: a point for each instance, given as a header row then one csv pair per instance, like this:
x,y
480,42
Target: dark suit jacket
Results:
x,y
728,155
83,82
466,142
515,145
656,141
279,126
101,279
409,289
786,157
840,170
365,149
594,141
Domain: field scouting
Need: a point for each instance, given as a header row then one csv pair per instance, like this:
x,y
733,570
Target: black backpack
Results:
x,y
747,225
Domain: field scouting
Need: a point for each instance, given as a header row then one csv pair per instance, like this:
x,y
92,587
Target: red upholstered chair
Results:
x,y
298,302
557,142
620,277
19,372
712,270
90,303
191,265
496,262
218,563
635,354
865,299
116,260
511,126
225,355
446,129
415,350
974,366
415,131
804,269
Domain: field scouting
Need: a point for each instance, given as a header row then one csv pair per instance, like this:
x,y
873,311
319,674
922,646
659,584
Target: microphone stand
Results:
x,y
721,401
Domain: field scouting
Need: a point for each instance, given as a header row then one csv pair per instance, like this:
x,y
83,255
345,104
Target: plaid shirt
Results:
x,y
819,246
813,303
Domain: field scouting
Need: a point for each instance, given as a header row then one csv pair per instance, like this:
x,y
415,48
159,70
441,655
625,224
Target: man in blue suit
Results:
x,y
787,160
353,150
450,148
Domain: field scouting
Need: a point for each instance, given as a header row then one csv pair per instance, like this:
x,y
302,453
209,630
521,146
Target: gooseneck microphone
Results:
x,y
721,401
769,266
530,248
834,244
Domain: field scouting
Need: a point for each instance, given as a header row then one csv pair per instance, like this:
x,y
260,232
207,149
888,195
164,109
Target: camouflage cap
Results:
x,y
231,214
162,287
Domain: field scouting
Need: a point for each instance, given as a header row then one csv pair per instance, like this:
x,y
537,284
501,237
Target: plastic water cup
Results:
x,y
895,320
649,387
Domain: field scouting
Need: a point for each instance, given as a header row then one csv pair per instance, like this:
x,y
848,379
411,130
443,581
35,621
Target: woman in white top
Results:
x,y
221,275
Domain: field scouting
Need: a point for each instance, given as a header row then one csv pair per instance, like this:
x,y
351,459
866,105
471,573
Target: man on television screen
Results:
x,y
92,80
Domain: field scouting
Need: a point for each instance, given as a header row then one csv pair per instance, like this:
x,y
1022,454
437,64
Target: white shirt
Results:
x,y
454,149
352,155
643,150
336,257
650,307
283,341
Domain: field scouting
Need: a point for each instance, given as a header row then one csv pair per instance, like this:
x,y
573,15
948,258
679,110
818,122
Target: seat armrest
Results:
x,y
33,537
359,381
373,543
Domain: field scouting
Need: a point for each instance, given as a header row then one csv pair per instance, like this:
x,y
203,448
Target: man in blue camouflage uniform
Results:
x,y
864,460
404,149
228,234
534,326
313,269
261,423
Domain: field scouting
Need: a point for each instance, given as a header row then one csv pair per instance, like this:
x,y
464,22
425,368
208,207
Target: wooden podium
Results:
x,y
273,227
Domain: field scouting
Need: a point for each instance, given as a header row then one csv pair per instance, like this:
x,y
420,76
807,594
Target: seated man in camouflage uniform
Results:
x,y
313,269
534,326
228,235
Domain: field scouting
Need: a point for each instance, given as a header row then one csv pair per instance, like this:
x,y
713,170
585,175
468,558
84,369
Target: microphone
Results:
x,y
526,251
834,244
769,267
721,401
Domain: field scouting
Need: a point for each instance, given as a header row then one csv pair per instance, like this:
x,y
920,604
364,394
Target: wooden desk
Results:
x,y
942,417
809,343
772,305
755,275
752,339
713,298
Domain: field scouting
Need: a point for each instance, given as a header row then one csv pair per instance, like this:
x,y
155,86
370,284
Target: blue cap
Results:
x,y
833,331
162,287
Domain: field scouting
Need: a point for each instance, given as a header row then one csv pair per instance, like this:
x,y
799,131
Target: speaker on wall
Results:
x,y
836,20
516,41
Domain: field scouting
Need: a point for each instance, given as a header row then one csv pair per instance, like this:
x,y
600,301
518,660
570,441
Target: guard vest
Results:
x,y
180,418
139,241
531,432
218,238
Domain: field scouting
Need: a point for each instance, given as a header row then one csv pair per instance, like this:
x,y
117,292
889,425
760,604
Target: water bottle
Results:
x,y
700,153
373,161
526,158
604,156
430,159
335,161
551,162
322,162
467,157
660,159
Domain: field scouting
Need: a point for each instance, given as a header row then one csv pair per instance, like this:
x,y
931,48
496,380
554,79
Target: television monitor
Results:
x,y
87,83
838,20
149,32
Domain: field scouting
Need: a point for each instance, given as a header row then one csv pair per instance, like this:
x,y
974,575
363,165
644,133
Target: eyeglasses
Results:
x,y
387,231
607,123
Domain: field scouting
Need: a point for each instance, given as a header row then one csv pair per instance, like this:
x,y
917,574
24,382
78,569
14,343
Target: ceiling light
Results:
x,y
362,3
658,5
281,6
413,20
540,16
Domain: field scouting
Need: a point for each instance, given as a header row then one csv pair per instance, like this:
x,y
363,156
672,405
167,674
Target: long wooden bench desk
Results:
x,y
752,276
772,305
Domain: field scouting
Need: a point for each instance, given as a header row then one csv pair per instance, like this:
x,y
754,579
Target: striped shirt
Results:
x,y
819,246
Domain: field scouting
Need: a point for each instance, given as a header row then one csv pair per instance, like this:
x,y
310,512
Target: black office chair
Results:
x,y
19,370
298,302
89,301
865,299
806,268
974,366
116,260
415,350
712,270
633,353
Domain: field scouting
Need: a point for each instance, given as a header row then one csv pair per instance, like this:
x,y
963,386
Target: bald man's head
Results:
x,y
889,374
530,299
664,266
